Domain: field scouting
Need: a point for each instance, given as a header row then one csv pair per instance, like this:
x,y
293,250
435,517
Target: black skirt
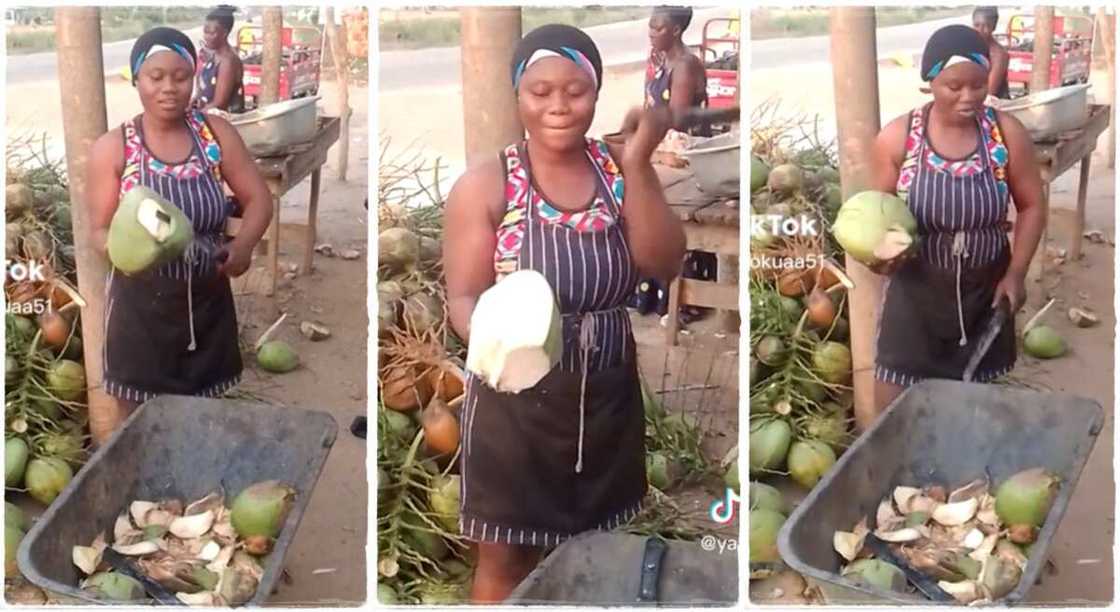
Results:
x,y
519,482
920,330
148,337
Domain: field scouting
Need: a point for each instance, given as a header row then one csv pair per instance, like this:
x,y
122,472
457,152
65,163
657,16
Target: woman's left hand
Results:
x,y
237,260
1012,286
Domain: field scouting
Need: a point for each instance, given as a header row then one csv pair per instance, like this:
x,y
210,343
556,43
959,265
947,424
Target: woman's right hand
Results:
x,y
890,266
643,130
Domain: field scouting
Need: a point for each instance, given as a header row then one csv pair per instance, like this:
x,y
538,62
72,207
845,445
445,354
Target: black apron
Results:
x,y
540,466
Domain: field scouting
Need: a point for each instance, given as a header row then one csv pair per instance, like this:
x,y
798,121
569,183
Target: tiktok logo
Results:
x,y
723,509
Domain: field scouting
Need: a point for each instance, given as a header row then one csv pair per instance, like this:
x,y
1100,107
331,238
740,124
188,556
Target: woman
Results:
x,y
675,78
547,463
984,21
174,329
220,74
956,162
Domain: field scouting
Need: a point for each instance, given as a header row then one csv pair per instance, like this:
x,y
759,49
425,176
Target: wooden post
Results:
x,y
489,35
856,83
272,23
1106,27
82,89
1043,47
341,59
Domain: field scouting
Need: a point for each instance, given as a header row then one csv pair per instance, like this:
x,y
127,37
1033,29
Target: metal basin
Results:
x,y
1050,112
272,129
715,164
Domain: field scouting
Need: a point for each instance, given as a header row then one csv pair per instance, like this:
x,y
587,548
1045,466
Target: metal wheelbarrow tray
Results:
x,y
181,447
949,433
605,569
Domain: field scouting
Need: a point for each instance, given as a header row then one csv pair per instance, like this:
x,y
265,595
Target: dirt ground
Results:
x,y
326,565
1081,555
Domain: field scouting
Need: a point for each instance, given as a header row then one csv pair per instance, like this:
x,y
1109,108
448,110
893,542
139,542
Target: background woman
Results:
x,y
543,465
984,21
957,163
220,74
174,329
675,78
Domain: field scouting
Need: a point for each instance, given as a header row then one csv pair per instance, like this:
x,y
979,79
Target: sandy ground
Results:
x,y
1081,568
326,564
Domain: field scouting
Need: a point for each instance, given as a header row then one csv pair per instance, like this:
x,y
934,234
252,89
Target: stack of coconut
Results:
x,y
204,553
975,545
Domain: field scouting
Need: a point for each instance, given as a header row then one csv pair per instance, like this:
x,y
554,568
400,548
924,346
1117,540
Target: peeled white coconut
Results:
x,y
516,336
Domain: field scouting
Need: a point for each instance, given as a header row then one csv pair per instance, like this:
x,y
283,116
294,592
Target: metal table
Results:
x,y
281,174
712,225
1055,157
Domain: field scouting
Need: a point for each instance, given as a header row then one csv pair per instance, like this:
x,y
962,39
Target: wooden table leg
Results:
x,y
1079,218
674,323
274,246
312,221
1038,266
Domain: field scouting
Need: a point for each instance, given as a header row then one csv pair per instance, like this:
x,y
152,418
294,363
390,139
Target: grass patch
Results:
x,y
116,24
793,23
420,29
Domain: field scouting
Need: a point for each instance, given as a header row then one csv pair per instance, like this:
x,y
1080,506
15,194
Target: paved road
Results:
x,y
44,66
780,52
619,43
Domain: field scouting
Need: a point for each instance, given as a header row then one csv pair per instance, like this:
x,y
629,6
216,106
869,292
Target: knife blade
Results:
x,y
924,583
991,332
123,565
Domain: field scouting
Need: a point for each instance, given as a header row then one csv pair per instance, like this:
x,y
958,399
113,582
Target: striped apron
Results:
x,y
935,307
567,455
173,329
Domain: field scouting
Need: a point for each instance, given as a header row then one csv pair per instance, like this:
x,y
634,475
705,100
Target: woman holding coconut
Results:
x,y
542,465
957,163
172,329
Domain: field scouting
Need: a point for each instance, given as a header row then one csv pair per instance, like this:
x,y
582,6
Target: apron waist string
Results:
x,y
586,343
960,253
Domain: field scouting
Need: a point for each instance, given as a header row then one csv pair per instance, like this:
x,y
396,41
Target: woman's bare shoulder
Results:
x,y
109,147
481,187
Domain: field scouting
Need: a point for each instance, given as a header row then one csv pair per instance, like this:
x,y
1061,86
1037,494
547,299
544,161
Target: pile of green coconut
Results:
x,y
203,552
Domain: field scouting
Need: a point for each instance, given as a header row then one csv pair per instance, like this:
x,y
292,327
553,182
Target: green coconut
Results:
x,y
261,509
873,227
12,537
832,361
400,425
146,231
1025,498
760,173
830,428
277,356
1042,342
46,477
66,445
15,517
66,380
427,543
762,496
771,351
808,461
16,454
876,574
437,594
444,501
769,444
764,526
387,595
398,249
785,179
657,470
111,586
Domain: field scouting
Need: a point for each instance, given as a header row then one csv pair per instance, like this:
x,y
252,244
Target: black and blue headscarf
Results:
x,y
160,39
952,45
557,40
